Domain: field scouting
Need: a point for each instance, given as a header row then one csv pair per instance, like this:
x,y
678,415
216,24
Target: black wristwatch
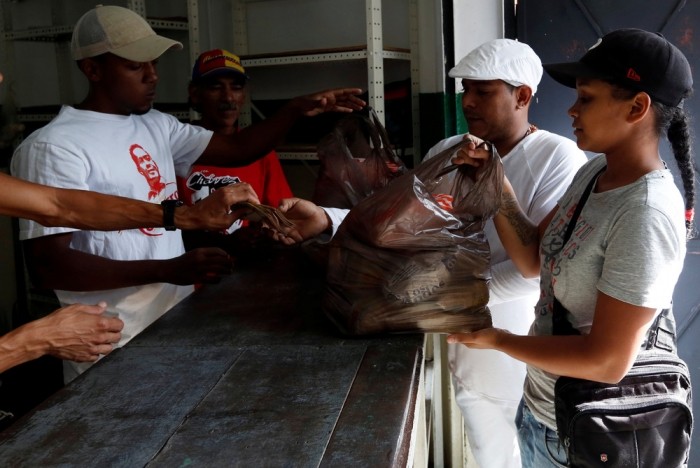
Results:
x,y
169,213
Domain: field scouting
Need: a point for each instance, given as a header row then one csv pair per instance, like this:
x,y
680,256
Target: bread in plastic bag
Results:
x,y
356,160
413,257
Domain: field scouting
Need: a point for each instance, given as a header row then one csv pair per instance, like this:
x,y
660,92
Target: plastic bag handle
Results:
x,y
378,134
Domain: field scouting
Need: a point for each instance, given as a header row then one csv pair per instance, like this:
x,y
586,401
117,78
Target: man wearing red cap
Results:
x,y
114,142
217,92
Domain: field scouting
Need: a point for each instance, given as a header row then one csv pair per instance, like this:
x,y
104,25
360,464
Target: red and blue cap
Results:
x,y
217,62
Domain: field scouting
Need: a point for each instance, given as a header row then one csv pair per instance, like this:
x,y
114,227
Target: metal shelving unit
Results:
x,y
60,35
372,52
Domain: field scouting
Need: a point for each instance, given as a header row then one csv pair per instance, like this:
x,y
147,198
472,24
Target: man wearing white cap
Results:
x,y
114,142
499,79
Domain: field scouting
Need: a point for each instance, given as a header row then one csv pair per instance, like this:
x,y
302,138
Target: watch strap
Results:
x,y
169,213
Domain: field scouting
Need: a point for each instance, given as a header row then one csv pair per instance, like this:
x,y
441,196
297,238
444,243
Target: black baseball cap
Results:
x,y
633,58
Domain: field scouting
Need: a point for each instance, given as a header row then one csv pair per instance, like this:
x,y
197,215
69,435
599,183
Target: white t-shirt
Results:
x,y
135,156
629,243
540,168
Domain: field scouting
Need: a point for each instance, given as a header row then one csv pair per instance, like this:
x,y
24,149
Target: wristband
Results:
x,y
169,213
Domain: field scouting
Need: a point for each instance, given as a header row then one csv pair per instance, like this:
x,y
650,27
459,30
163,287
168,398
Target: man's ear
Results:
x,y
639,107
523,96
91,69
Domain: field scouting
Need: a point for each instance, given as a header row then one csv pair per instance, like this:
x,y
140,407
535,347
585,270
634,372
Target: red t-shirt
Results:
x,y
265,176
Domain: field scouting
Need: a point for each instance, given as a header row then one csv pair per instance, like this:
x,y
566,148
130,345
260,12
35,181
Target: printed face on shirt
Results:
x,y
219,100
489,108
598,116
124,87
148,168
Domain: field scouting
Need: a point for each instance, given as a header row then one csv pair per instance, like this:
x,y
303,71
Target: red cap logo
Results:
x,y
632,75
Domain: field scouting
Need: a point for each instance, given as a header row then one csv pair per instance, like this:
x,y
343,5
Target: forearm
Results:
x,y
262,137
19,346
570,355
251,143
98,212
82,209
518,234
85,272
94,211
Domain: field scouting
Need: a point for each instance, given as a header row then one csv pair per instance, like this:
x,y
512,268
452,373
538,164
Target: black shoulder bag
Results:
x,y
645,420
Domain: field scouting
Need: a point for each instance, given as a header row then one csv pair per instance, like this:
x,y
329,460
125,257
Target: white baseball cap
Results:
x,y
501,59
120,31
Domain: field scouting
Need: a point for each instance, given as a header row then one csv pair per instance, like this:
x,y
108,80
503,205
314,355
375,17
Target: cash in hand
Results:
x,y
264,213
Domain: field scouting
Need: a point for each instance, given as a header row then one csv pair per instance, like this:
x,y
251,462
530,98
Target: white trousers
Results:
x,y
490,428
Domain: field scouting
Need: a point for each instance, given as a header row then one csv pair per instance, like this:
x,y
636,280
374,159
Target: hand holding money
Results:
x,y
268,215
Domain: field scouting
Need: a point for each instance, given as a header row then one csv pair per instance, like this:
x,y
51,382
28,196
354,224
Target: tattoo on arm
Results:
x,y
524,229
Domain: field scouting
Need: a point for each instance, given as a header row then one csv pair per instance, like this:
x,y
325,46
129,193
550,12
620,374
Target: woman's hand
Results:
x,y
487,338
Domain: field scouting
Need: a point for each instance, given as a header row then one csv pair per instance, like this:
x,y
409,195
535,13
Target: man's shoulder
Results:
x,y
59,124
557,147
442,145
545,137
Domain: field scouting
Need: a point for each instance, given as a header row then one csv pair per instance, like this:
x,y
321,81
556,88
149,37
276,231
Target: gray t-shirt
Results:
x,y
629,243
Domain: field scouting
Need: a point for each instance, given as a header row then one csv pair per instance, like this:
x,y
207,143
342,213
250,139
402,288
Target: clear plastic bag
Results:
x,y
413,256
356,160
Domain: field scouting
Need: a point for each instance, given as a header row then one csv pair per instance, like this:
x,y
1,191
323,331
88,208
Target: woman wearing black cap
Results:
x,y
619,267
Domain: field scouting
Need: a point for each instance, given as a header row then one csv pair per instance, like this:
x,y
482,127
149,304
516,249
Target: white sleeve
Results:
x,y
336,215
187,143
508,284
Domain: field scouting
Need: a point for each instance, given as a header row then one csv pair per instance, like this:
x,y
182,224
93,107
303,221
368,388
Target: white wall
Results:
x,y
431,47
475,22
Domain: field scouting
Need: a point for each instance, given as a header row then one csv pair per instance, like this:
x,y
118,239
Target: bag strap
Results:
x,y
579,207
379,135
662,332
560,324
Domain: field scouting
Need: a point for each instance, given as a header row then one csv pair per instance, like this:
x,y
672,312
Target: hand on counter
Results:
x,y
77,332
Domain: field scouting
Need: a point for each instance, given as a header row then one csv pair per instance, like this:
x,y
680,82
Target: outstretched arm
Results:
x,y
53,264
604,355
244,147
82,209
